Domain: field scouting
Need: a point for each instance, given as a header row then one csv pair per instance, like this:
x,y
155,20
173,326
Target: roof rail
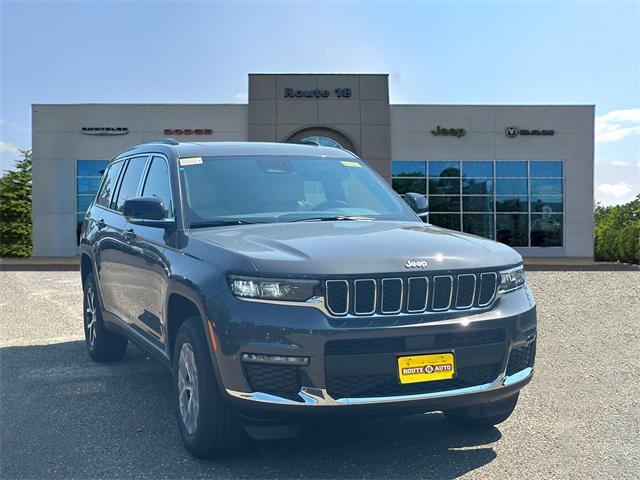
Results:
x,y
162,141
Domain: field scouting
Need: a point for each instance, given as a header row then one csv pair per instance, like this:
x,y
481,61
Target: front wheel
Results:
x,y
485,415
208,425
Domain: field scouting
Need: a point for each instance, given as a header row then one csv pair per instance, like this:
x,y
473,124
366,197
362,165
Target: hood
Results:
x,y
356,247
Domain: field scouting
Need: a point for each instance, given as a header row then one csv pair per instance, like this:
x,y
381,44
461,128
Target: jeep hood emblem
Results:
x,y
416,264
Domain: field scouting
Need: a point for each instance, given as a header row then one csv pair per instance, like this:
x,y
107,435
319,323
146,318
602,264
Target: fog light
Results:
x,y
275,359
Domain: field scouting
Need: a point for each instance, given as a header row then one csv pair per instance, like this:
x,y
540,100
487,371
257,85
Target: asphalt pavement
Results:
x,y
63,416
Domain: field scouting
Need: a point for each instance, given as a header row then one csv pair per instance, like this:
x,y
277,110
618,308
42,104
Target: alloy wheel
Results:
x,y
188,388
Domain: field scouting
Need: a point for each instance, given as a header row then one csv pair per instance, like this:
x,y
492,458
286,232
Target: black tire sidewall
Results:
x,y
192,332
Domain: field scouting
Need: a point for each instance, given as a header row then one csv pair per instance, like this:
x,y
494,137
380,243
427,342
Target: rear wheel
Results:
x,y
208,425
485,415
102,344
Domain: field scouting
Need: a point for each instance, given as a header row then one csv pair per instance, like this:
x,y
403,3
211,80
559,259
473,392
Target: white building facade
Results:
x,y
520,174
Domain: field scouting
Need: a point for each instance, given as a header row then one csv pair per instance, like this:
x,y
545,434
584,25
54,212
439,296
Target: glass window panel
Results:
x,y
477,203
440,203
444,169
83,202
546,186
406,185
131,180
511,169
477,169
511,186
512,203
445,220
546,204
104,197
545,169
157,184
546,230
512,229
477,186
478,224
408,169
91,168
443,186
80,217
88,185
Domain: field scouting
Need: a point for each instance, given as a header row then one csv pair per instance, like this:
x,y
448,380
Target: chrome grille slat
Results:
x,y
365,297
405,295
386,292
461,283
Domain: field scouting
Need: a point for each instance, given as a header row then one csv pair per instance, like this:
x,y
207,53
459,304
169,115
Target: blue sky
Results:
x,y
435,52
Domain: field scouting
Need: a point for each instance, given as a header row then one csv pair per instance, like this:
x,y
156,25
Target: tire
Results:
x,y
485,415
209,427
103,345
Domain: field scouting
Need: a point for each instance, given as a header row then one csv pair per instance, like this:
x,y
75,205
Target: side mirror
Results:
x,y
418,203
147,211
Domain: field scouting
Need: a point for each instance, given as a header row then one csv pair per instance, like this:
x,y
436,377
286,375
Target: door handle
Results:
x,y
129,234
100,224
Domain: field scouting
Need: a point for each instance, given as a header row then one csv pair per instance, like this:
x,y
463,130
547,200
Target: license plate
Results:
x,y
426,368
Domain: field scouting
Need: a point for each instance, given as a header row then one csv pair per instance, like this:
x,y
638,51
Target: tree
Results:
x,y
617,232
15,209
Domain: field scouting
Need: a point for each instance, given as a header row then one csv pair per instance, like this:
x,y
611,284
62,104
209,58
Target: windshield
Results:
x,y
268,189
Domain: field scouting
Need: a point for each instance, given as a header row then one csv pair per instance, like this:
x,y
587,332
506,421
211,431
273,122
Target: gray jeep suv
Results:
x,y
283,282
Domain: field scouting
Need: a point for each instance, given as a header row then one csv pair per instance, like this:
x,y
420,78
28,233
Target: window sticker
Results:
x,y
351,164
187,161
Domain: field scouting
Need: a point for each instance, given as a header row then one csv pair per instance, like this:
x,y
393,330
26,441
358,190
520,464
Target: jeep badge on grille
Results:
x,y
416,264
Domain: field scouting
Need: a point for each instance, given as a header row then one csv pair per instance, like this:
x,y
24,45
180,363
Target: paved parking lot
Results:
x,y
62,416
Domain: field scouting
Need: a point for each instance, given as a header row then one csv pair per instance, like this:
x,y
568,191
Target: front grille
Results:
x,y
277,380
360,386
390,296
521,358
415,343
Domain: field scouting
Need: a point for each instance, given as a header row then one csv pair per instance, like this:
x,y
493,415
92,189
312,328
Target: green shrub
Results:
x,y
15,209
617,232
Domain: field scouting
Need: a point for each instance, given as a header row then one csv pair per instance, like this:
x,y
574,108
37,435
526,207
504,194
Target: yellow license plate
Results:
x,y
426,368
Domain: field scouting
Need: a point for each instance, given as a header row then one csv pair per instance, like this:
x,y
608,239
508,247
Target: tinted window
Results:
x,y
104,196
477,169
409,169
157,184
511,169
546,169
444,169
129,184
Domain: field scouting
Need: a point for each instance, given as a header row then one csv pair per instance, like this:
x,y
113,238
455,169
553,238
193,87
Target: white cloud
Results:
x,y
621,163
241,97
9,148
617,190
618,124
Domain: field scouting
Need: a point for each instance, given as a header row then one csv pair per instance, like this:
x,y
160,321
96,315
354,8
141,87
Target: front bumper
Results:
x,y
294,331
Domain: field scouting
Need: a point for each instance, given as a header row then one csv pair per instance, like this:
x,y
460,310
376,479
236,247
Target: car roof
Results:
x,y
207,149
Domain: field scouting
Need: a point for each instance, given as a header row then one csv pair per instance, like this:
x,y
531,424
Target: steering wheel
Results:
x,y
326,205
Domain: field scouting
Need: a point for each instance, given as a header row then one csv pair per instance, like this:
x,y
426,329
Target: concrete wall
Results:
x,y
485,139
363,117
58,142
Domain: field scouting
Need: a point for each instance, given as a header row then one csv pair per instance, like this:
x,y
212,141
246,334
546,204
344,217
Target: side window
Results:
x,y
157,184
106,191
130,181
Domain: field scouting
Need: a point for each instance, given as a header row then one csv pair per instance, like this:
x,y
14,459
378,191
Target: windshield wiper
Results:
x,y
337,218
219,223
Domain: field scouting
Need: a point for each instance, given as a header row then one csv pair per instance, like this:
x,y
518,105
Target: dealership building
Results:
x,y
519,174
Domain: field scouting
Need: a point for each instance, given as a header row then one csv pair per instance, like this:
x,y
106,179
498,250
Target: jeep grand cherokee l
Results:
x,y
283,282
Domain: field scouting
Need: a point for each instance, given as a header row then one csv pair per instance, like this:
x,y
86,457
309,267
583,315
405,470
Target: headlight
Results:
x,y
272,289
511,279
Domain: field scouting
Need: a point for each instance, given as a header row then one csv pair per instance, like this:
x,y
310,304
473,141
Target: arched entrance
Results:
x,y
324,136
